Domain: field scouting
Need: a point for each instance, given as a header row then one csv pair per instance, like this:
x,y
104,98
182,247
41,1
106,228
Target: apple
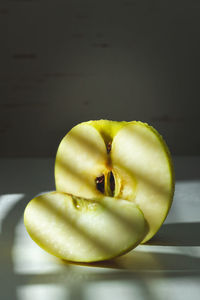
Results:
x,y
114,188
84,230
123,160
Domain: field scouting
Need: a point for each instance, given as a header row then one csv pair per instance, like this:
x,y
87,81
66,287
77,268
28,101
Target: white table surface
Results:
x,y
168,267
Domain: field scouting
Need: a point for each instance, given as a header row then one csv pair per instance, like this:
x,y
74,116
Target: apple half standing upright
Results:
x,y
124,160
114,187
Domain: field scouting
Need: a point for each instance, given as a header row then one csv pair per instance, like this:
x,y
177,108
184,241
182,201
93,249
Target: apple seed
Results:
x,y
109,146
100,183
112,183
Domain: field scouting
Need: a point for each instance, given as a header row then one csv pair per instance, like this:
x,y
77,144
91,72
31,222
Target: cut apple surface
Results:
x,y
84,230
127,160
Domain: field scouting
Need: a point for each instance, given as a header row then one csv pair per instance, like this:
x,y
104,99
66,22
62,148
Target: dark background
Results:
x,y
64,62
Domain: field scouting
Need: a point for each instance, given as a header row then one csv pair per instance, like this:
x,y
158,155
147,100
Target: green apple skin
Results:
x,y
138,158
84,230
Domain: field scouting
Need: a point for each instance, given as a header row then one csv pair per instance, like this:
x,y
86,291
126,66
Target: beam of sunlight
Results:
x,y
42,291
7,201
28,257
39,274
117,289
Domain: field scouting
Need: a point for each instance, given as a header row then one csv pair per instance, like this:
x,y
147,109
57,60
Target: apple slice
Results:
x,y
84,230
127,160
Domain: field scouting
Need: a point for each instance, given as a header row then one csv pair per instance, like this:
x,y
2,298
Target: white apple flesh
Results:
x,y
144,157
84,230
81,158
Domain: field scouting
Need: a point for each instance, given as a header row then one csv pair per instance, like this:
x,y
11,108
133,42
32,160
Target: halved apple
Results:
x,y
84,230
127,160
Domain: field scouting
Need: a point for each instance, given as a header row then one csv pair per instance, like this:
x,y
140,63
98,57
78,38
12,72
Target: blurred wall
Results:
x,y
63,62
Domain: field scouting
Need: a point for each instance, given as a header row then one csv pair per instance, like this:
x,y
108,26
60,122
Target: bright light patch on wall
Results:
x,y
7,202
